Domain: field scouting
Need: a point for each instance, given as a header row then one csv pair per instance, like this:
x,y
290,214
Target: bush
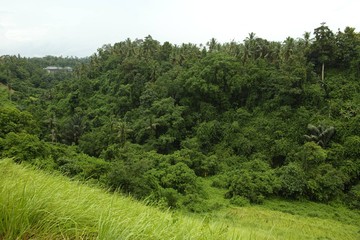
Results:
x,y
219,181
311,155
128,177
170,196
292,180
352,147
255,181
240,201
202,165
23,147
83,166
180,177
353,197
194,203
325,183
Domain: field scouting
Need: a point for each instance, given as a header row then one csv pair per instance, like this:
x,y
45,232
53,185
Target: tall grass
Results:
x,y
37,205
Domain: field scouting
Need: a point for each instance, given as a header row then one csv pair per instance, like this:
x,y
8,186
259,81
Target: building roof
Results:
x,y
54,68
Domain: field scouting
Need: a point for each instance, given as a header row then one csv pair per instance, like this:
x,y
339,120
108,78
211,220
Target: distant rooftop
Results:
x,y
51,69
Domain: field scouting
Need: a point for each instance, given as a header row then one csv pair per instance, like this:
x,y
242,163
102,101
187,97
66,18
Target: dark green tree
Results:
x,y
323,49
320,135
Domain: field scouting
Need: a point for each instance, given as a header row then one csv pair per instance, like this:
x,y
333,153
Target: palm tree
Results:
x,y
320,135
274,52
213,45
249,47
122,132
232,48
307,39
323,46
288,48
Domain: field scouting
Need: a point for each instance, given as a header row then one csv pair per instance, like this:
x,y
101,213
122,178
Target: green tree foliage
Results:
x,y
351,164
208,134
311,155
352,147
347,43
325,183
353,197
166,178
22,147
180,177
155,117
324,44
323,48
16,121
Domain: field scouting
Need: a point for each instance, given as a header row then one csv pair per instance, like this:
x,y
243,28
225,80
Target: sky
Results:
x,y
78,28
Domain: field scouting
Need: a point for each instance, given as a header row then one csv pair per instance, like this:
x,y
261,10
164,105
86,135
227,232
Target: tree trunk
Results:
x,y
9,91
323,80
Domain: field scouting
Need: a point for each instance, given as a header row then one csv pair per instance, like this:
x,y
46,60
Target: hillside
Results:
x,y
198,128
38,205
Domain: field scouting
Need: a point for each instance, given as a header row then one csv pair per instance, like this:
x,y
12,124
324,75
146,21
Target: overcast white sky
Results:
x,y
79,27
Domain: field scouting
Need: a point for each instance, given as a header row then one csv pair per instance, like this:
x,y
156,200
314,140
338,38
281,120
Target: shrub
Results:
x,y
255,181
352,147
353,197
83,166
128,177
292,180
311,155
325,183
240,201
219,181
23,147
202,165
180,177
170,196
194,203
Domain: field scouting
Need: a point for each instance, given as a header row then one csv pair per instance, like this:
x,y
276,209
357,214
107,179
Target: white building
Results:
x,y
53,69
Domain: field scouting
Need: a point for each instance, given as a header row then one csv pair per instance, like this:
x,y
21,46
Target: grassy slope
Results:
x,y
288,219
36,205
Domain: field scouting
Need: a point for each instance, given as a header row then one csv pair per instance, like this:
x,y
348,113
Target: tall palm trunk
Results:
x,y
323,80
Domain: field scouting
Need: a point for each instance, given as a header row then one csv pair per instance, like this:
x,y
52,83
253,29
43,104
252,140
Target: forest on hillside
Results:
x,y
258,118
